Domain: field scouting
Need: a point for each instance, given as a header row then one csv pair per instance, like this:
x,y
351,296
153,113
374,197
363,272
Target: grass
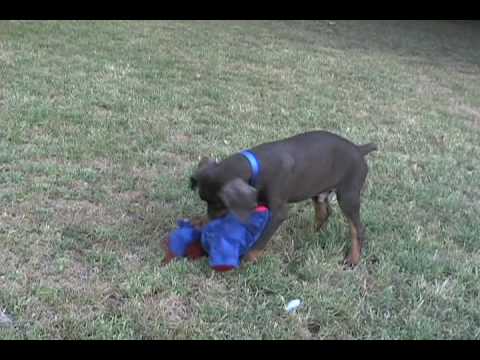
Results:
x,y
101,124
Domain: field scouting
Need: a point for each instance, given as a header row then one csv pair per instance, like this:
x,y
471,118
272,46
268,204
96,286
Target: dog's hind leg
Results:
x,y
322,210
348,196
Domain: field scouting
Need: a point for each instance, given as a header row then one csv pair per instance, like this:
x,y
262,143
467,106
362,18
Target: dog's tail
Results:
x,y
367,148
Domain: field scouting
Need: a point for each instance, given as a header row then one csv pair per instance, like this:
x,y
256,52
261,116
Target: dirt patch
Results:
x,y
172,309
82,212
136,197
211,291
144,173
170,158
19,215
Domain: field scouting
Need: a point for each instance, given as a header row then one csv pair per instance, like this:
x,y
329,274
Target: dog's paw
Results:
x,y
199,222
253,256
349,263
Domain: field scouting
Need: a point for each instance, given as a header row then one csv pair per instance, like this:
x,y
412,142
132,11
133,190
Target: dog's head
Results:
x,y
221,192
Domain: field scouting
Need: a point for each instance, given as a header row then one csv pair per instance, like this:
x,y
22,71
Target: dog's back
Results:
x,y
319,160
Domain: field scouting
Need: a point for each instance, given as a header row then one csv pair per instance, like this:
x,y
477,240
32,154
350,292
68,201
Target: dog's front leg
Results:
x,y
278,215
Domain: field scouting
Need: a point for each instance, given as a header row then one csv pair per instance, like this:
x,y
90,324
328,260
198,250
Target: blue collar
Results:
x,y
254,165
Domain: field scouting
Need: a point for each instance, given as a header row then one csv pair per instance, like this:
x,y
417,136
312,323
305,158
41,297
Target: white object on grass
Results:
x,y
293,305
5,320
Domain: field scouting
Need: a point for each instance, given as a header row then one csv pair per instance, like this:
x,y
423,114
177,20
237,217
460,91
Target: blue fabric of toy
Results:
x,y
226,240
183,237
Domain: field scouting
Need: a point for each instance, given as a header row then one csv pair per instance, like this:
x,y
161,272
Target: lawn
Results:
x,y
101,124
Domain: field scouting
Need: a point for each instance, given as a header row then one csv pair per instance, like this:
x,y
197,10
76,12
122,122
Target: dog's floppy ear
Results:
x,y
239,197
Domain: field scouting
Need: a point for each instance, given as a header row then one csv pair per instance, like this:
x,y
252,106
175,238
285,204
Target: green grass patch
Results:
x,y
101,124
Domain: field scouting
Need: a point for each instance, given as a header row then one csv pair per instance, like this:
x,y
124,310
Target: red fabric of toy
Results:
x,y
222,268
195,251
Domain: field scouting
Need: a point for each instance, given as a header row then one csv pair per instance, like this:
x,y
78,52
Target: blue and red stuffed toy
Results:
x,y
225,240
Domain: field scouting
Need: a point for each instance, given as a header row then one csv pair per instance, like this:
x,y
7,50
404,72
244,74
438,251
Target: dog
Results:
x,y
305,166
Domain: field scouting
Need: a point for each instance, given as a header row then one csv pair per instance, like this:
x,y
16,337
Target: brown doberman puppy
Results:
x,y
305,166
